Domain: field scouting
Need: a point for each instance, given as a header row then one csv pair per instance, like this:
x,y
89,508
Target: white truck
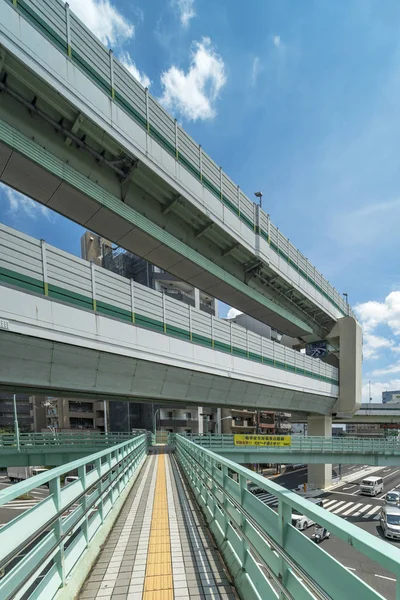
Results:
x,y
21,473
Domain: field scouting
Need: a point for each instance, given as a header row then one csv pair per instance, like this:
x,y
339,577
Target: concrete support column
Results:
x,y
320,475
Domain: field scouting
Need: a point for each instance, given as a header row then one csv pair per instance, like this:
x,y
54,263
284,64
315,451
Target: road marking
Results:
x,y
349,487
359,512
371,512
352,509
386,470
336,505
384,577
339,510
326,504
350,568
392,473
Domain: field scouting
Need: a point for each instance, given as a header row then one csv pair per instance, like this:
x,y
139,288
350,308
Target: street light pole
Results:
x,y
259,195
219,422
155,422
16,428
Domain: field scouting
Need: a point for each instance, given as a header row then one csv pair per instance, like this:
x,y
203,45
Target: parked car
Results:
x,y
70,479
392,498
390,522
301,521
371,486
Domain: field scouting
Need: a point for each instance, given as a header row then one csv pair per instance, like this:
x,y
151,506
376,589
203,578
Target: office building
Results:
x,y
392,396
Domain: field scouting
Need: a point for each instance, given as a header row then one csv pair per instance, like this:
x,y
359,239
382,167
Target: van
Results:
x,y
372,486
390,522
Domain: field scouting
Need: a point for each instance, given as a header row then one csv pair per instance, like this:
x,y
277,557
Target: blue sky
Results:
x,y
298,99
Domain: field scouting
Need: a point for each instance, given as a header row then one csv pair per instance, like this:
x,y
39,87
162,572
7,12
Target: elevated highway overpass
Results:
x,y
72,328
81,136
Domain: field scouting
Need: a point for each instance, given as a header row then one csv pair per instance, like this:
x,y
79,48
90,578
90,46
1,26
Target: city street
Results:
x,y
346,501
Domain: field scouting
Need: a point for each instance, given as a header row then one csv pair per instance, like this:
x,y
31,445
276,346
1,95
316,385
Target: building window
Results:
x,y
80,423
188,415
170,415
80,406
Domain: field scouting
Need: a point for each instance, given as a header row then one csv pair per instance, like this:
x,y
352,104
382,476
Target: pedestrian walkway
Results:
x,y
159,547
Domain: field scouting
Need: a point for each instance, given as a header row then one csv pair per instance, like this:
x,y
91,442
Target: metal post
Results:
x,y
111,55
190,324
105,416
238,200
69,48
92,267
164,314
44,268
176,140
133,300
146,91
201,163
16,428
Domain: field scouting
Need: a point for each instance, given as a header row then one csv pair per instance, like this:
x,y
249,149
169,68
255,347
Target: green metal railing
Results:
x,y
40,548
266,555
35,441
299,443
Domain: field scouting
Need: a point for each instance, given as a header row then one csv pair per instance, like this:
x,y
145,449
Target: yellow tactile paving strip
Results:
x,y
158,579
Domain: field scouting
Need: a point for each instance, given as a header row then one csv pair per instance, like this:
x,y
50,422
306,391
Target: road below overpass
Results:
x,y
346,501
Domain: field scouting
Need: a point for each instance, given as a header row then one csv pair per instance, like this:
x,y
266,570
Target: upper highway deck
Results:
x,y
81,135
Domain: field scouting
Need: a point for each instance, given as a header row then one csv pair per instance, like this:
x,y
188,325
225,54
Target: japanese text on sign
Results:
x,y
262,440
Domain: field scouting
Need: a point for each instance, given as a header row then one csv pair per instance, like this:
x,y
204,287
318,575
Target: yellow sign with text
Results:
x,y
262,440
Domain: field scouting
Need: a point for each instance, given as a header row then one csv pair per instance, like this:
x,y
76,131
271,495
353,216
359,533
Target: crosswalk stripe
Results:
x,y
363,509
336,505
326,504
371,512
339,510
353,508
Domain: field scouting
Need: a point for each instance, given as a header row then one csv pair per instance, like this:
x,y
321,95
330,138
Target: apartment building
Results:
x,y
62,414
25,418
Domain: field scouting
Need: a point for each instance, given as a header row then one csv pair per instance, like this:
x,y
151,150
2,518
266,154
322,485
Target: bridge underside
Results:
x,y
40,366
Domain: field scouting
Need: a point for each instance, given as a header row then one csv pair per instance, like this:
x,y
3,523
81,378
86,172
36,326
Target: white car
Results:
x,y
301,521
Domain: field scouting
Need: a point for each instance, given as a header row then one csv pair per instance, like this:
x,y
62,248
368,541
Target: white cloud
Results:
x,y
255,70
185,9
276,40
372,314
128,63
389,370
103,20
233,312
372,344
193,94
377,387
22,206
